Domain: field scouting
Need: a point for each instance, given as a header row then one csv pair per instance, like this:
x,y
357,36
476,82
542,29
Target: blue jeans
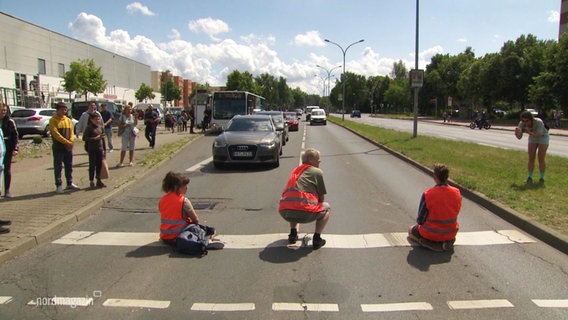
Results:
x,y
60,159
108,134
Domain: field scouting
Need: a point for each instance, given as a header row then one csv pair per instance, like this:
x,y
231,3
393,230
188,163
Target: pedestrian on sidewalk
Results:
x,y
94,137
437,223
61,129
538,142
127,129
11,142
191,119
107,122
84,119
302,199
151,118
2,153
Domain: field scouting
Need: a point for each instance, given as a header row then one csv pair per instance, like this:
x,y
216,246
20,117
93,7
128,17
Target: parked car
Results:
x,y
140,108
318,116
33,121
248,139
299,112
281,125
356,114
292,120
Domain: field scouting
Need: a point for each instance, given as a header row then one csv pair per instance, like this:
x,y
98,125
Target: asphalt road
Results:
x,y
110,265
492,137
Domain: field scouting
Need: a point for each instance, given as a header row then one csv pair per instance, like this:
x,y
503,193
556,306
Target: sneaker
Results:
x,y
59,189
5,222
100,184
318,243
541,180
92,184
448,245
529,180
292,238
72,186
9,195
432,245
4,230
111,150
120,165
131,164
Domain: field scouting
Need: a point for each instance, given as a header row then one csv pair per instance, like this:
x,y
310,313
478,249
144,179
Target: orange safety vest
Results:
x,y
294,199
172,222
444,204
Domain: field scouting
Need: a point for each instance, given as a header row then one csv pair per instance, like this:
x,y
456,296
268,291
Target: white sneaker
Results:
x,y
59,189
72,186
8,195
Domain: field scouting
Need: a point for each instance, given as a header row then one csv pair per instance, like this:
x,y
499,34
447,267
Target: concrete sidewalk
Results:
x,y
38,213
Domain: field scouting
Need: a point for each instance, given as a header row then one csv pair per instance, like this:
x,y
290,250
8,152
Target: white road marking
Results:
x,y
200,165
62,301
479,304
259,241
316,307
402,306
551,303
223,307
136,303
6,299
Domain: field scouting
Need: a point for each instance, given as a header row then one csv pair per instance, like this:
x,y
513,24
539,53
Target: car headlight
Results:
x,y
219,144
267,145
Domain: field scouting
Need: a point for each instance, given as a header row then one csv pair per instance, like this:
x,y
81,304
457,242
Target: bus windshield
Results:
x,y
227,104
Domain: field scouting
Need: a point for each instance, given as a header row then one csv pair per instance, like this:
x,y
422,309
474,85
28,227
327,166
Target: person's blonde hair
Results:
x,y
309,154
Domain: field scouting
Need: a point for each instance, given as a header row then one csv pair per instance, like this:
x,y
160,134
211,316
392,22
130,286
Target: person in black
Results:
x,y
94,136
11,141
191,116
206,119
151,121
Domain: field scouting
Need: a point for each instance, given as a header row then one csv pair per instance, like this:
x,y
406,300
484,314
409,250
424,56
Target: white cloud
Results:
x,y
138,7
462,40
209,26
553,16
212,62
310,38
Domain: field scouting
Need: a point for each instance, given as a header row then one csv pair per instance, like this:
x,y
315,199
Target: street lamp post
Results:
x,y
329,71
343,74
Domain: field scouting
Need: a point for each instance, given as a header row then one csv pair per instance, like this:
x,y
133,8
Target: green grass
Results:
x,y
497,173
164,152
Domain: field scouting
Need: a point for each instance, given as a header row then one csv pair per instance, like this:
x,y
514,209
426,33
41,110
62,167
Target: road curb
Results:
x,y
62,225
545,234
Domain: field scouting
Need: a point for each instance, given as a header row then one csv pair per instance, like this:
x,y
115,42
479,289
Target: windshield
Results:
x,y
249,124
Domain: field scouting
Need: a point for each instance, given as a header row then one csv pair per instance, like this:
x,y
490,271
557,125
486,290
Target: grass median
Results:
x,y
495,172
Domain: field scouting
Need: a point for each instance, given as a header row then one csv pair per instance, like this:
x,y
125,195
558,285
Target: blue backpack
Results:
x,y
194,239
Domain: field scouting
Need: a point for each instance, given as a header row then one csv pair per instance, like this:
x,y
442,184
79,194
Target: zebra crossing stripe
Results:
x,y
551,303
260,241
213,307
479,304
136,303
316,307
5,299
403,306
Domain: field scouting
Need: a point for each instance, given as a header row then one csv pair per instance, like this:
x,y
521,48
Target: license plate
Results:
x,y
242,154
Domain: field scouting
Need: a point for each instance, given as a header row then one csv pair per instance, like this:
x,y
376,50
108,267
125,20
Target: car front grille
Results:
x,y
242,152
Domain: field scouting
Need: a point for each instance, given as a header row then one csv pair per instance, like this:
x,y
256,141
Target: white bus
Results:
x,y
226,104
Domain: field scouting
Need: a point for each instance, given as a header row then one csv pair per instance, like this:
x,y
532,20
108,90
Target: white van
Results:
x,y
309,111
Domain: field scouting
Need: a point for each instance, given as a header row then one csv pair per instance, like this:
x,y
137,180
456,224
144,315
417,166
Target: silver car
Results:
x,y
248,139
33,121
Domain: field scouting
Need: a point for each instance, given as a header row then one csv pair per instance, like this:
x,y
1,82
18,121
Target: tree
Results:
x,y
170,90
144,93
399,70
241,81
83,76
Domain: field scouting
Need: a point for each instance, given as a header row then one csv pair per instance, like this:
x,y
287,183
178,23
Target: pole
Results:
x,y
343,74
415,127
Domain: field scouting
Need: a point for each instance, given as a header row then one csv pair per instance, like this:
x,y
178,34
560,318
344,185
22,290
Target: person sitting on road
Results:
x,y
176,211
440,205
302,199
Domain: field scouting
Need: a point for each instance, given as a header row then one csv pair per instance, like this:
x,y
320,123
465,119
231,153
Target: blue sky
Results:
x,y
205,40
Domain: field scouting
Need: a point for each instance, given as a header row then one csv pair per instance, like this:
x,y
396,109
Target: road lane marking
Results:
x,y
137,303
223,307
6,299
259,241
316,307
200,165
479,304
402,306
551,303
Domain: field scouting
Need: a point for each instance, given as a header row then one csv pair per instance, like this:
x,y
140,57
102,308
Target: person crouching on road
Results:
x,y
437,224
302,199
176,211
94,136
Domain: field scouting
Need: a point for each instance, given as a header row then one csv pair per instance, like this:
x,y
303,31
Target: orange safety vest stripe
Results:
x,y
294,199
172,222
444,204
